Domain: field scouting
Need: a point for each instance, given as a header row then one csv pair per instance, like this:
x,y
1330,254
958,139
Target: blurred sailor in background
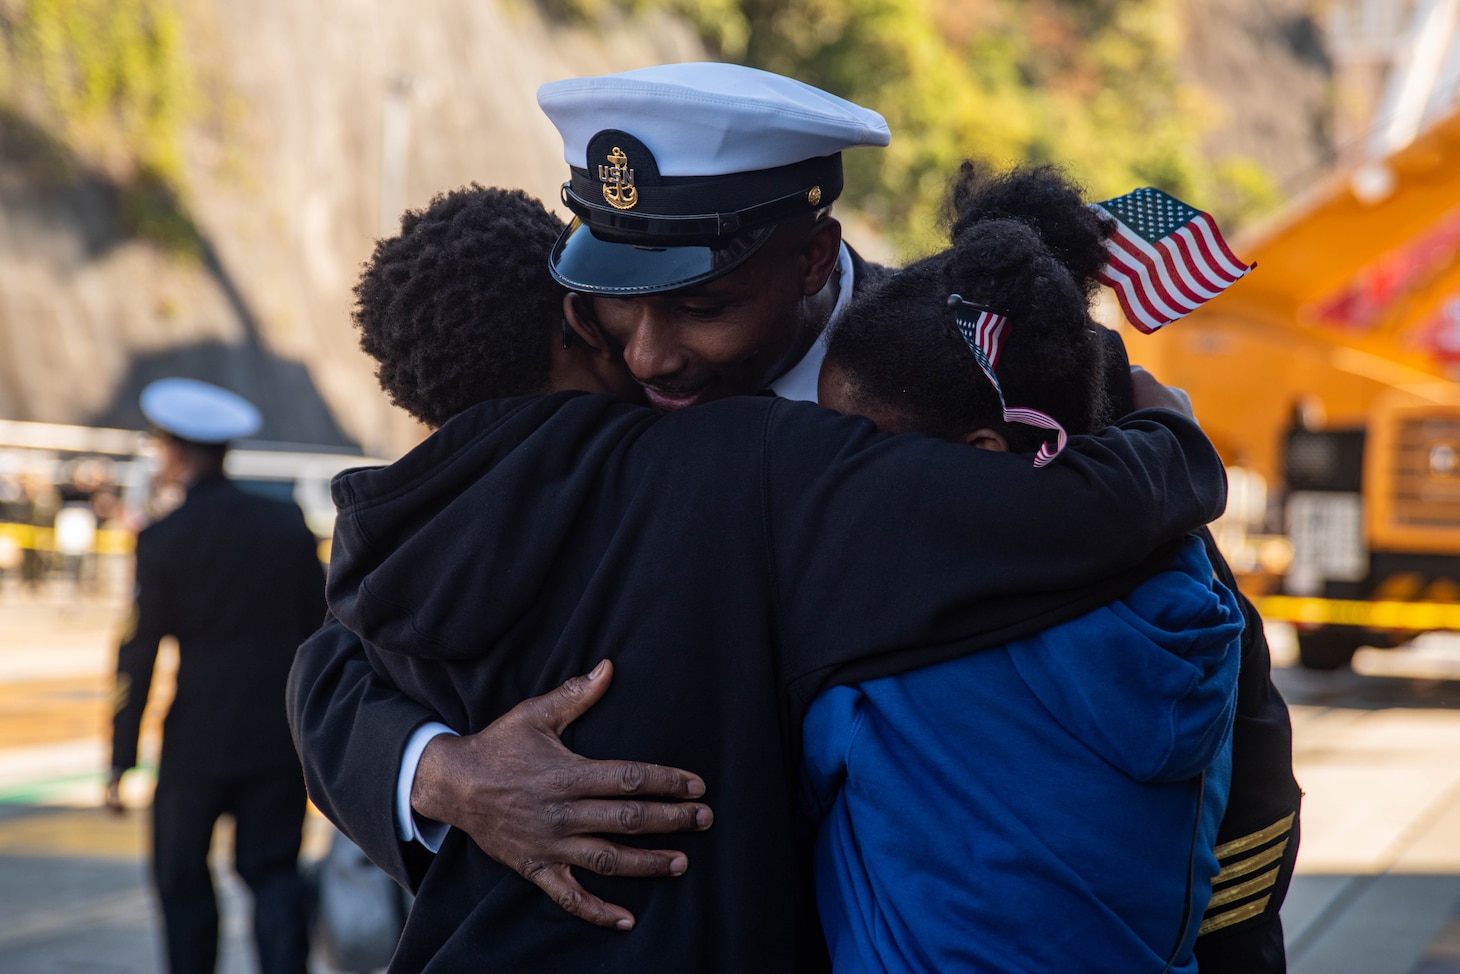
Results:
x,y
236,579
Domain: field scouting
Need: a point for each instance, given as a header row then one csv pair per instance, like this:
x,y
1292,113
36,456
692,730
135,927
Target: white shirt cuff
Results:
x,y
408,825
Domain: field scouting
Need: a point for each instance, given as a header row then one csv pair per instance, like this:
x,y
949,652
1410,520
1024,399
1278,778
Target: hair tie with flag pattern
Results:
x,y
1165,259
984,330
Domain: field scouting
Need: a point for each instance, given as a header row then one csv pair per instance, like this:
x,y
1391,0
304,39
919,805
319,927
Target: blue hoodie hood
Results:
x,y
1174,650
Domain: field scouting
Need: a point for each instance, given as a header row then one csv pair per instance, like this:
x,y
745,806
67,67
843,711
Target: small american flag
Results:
x,y
983,332
1166,258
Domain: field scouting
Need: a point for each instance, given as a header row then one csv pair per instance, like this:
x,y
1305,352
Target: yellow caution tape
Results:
x,y
108,541
1413,616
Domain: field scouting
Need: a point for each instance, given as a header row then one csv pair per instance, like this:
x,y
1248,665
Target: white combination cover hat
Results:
x,y
678,172
199,411
709,119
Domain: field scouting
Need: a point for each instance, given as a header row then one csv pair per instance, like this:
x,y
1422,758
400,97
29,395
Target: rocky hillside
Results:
x,y
326,119
286,185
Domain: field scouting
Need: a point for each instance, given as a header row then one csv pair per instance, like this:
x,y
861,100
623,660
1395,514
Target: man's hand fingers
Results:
x,y
557,881
587,817
606,779
611,859
556,709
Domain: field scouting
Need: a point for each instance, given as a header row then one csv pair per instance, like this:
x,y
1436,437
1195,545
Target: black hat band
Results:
x,y
682,208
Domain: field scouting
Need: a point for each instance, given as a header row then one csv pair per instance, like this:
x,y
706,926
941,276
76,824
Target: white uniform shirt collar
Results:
x,y
799,381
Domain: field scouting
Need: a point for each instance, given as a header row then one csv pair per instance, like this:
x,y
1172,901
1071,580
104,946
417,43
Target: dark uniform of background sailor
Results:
x,y
236,579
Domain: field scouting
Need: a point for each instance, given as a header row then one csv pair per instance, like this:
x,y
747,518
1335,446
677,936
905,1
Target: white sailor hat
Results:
x,y
679,172
199,411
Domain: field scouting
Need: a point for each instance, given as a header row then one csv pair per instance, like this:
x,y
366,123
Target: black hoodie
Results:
x,y
732,560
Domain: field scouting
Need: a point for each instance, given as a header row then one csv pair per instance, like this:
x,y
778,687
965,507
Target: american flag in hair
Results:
x,y
983,332
1166,258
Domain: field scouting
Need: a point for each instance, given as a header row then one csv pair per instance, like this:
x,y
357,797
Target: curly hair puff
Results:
x,y
458,307
1053,205
900,347
1041,196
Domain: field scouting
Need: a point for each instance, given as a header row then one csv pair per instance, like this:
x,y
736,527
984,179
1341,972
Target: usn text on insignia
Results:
x,y
618,181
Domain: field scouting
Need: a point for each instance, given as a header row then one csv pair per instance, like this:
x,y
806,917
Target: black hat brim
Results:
x,y
585,262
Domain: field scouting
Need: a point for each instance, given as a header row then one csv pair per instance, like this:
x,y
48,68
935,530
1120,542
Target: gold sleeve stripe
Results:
x,y
1243,890
1244,912
1251,864
1229,849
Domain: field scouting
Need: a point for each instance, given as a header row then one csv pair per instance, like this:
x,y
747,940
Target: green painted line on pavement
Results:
x,y
35,792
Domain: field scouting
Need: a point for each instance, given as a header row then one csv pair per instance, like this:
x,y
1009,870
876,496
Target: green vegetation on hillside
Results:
x,y
109,80
1091,85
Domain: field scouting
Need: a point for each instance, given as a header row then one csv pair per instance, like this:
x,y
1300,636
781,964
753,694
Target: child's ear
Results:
x,y
987,439
599,364
578,316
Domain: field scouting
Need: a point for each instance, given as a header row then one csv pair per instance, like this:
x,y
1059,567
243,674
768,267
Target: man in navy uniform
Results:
x,y
236,578
529,536
703,249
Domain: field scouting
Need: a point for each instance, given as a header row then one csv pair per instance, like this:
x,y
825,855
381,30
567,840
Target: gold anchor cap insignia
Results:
x,y
618,181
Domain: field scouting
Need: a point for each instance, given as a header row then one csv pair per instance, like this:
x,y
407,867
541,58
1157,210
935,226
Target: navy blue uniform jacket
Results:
x,y
236,578
731,559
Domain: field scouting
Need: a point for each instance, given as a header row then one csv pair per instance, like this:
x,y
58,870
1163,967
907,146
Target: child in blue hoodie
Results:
x,y
1051,805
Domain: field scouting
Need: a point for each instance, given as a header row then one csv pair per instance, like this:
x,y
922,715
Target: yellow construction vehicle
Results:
x,y
1330,373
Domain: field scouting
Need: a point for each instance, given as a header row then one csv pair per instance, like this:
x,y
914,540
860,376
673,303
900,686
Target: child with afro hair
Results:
x,y
459,308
